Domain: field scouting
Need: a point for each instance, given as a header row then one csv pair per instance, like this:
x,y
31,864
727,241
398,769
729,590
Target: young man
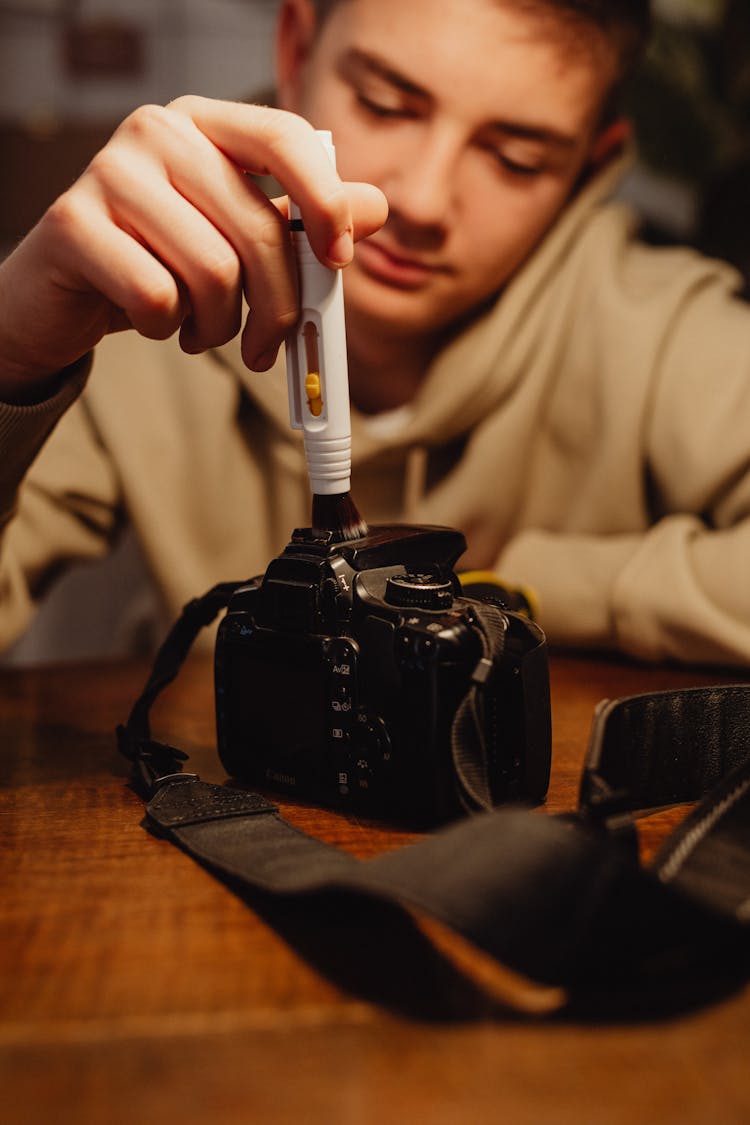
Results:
x,y
520,368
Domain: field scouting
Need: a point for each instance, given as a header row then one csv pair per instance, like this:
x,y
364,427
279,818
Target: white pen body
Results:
x,y
316,350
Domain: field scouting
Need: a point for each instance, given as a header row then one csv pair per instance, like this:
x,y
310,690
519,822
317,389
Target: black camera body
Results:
x,y
340,671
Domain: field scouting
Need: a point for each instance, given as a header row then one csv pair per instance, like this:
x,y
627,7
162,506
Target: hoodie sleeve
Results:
x,y
24,430
680,588
679,591
57,498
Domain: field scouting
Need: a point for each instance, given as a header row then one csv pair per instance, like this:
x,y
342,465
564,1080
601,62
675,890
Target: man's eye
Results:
x,y
517,168
381,109
520,165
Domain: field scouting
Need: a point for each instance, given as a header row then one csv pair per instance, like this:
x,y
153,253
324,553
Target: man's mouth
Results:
x,y
391,266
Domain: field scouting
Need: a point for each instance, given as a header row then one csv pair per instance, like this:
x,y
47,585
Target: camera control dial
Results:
x,y
419,591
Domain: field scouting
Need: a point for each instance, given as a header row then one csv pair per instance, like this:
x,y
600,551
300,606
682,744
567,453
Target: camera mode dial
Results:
x,y
419,591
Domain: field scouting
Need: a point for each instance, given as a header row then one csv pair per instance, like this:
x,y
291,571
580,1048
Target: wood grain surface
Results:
x,y
134,987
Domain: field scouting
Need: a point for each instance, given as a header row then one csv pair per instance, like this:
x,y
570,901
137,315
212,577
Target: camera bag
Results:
x,y
560,900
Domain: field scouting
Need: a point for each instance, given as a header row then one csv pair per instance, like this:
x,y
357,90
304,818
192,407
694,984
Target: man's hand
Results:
x,y
164,231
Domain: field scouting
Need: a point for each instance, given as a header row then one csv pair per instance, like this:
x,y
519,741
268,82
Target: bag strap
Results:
x,y
517,886
679,747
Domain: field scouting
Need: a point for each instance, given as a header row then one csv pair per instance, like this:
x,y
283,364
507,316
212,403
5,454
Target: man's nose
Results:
x,y
421,187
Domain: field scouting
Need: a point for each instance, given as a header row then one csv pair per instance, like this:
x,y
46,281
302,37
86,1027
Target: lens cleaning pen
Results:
x,y
318,380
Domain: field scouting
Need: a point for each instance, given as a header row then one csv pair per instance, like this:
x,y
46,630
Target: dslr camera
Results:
x,y
340,672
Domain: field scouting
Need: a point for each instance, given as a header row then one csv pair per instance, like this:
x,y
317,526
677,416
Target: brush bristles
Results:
x,y
338,514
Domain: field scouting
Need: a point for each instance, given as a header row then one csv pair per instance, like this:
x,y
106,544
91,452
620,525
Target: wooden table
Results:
x,y
136,988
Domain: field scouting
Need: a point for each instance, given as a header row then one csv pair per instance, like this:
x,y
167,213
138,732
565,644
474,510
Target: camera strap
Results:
x,y
559,899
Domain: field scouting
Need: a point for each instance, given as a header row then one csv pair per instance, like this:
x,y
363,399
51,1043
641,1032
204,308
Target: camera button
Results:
x,y
344,658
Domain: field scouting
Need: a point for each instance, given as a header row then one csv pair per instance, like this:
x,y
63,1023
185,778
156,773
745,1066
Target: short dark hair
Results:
x,y
627,23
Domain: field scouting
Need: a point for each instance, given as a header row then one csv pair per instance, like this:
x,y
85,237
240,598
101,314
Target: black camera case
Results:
x,y
340,672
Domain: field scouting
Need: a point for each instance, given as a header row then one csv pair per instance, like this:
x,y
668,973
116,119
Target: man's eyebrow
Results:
x,y
529,132
356,60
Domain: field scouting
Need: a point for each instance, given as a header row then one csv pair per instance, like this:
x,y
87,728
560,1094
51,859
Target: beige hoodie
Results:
x,y
590,434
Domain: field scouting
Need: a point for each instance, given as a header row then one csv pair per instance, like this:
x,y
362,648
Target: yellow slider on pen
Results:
x,y
312,390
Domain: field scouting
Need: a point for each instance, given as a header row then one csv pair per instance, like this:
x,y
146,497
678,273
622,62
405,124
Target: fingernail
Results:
x,y
341,249
265,360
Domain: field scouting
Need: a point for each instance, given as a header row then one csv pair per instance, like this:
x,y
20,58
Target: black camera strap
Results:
x,y
468,731
562,900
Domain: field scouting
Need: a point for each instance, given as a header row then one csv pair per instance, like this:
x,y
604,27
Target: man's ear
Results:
x,y
295,34
608,142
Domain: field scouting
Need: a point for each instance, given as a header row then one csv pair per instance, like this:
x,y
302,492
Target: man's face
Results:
x,y
475,121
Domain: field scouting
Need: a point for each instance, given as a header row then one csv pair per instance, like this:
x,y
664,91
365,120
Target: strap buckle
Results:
x,y
154,763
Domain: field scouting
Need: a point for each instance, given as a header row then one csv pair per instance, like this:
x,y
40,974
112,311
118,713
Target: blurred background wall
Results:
x,y
70,70
690,103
